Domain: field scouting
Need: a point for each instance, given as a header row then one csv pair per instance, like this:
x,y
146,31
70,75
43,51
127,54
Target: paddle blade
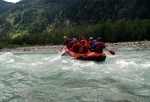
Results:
x,y
64,54
112,52
75,57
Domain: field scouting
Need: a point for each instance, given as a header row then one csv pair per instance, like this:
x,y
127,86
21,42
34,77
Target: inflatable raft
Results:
x,y
94,56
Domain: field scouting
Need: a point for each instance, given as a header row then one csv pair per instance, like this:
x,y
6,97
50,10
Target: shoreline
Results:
x,y
137,45
112,46
46,48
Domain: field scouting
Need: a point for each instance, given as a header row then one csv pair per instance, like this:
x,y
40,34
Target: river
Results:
x,y
48,77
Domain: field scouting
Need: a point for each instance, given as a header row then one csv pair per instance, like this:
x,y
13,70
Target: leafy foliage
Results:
x,y
120,30
4,6
41,22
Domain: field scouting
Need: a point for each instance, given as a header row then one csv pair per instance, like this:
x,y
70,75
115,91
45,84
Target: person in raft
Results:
x,y
67,41
90,42
98,46
82,38
84,47
76,46
71,43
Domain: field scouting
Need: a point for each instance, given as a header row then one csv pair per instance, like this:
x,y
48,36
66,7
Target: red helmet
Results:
x,y
83,41
75,41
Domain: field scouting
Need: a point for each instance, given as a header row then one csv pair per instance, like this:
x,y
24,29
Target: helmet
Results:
x,y
91,38
74,38
65,37
99,39
83,41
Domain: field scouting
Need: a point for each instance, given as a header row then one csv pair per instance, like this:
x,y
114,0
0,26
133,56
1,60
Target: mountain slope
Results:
x,y
4,6
35,16
31,16
93,11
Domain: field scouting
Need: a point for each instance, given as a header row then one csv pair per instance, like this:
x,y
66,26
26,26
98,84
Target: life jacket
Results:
x,y
71,44
84,48
90,43
100,46
76,47
66,42
82,38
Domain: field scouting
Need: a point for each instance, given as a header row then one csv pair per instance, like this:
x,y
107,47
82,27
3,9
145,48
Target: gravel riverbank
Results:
x,y
112,46
129,45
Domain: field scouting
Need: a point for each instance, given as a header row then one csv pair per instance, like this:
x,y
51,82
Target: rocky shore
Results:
x,y
129,45
46,48
112,46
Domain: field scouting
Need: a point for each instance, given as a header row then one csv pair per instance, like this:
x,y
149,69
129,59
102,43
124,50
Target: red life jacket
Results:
x,y
66,42
84,49
100,46
71,44
90,43
76,47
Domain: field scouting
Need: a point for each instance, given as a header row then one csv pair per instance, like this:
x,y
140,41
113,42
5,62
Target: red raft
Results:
x,y
93,56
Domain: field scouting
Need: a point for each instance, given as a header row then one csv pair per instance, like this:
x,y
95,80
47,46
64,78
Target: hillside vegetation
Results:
x,y
4,6
40,22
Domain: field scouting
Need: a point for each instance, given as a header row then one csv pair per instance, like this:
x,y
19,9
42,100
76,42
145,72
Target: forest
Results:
x,y
4,6
45,22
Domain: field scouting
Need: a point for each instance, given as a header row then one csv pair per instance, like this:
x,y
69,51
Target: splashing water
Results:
x,y
47,77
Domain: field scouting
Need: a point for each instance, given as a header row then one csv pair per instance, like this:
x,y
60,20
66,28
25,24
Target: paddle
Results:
x,y
64,54
61,49
110,51
75,57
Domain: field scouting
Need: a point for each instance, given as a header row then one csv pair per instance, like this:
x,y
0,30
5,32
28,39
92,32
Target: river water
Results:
x,y
48,77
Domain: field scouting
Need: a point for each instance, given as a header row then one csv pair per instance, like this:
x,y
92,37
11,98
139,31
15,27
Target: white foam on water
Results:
x,y
58,56
82,64
10,61
54,59
143,92
120,77
146,65
122,63
5,56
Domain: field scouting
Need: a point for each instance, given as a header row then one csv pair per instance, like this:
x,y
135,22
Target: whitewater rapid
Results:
x,y
47,77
